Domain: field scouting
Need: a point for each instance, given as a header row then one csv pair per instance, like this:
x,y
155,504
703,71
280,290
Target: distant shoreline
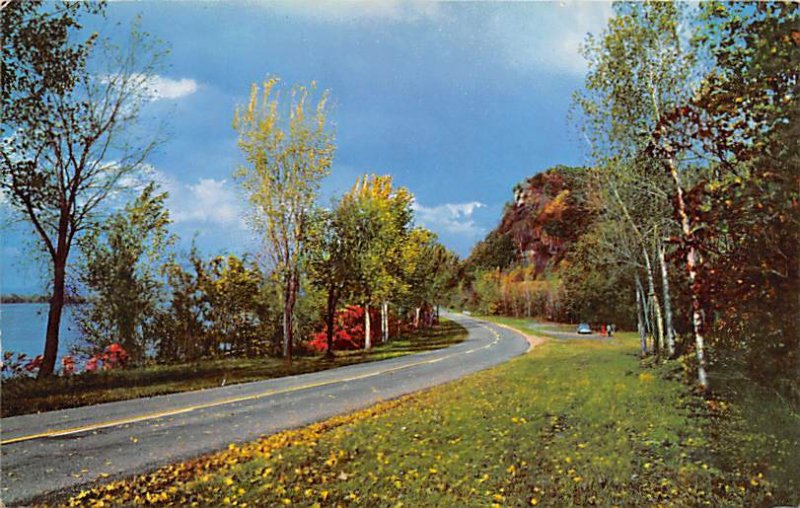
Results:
x,y
15,298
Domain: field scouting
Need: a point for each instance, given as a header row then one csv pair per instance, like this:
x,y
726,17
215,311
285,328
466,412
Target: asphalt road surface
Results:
x,y
62,450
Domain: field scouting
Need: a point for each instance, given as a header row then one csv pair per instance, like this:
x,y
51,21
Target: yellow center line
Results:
x,y
232,400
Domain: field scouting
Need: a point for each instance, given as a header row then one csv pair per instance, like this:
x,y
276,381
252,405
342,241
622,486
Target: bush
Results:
x,y
348,331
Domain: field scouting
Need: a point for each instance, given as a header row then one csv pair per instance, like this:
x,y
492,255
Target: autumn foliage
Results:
x,y
348,331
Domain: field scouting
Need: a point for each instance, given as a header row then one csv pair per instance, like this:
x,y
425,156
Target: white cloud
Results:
x,y
154,86
160,87
339,11
208,201
453,218
546,38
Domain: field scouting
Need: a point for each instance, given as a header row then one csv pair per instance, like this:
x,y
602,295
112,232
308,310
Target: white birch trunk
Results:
x,y
691,268
385,322
367,328
670,329
416,317
653,297
640,312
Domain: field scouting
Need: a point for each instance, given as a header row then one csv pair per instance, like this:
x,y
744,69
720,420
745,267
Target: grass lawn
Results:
x,y
572,423
28,395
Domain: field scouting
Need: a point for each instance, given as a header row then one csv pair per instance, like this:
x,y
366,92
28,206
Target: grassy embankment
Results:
x,y
27,395
572,423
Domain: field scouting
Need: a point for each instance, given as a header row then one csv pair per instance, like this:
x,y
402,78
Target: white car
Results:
x,y
584,329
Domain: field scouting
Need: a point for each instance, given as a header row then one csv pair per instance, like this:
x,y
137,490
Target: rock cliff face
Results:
x,y
549,213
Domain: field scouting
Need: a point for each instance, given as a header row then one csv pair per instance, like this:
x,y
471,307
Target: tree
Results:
x,y
117,268
181,326
64,148
288,149
742,215
331,245
231,289
429,270
639,68
381,216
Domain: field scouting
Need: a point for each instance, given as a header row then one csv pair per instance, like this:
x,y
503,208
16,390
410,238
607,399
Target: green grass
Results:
x,y
572,423
28,395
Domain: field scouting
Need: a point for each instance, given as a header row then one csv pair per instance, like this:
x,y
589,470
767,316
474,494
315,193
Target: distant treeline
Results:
x,y
15,298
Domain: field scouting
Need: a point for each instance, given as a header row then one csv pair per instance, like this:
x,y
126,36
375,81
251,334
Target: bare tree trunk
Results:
x,y
640,316
416,317
288,312
367,328
54,318
329,318
691,268
667,301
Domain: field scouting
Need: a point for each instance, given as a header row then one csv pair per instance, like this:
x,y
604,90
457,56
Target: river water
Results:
x,y
23,326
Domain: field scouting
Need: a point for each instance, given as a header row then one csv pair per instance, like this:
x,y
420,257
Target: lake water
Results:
x,y
23,327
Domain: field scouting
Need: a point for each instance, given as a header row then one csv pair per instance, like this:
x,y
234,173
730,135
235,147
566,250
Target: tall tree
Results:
x,y
64,148
331,246
639,67
288,148
118,270
382,216
742,215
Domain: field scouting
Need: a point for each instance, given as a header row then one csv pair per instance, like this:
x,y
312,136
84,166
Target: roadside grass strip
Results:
x,y
28,395
578,423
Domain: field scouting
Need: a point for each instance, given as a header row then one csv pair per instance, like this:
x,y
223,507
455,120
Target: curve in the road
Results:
x,y
58,450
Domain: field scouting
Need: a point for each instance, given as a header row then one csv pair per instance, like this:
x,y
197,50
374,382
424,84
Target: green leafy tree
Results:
x,y
119,269
380,216
181,326
231,290
65,145
430,272
288,148
331,246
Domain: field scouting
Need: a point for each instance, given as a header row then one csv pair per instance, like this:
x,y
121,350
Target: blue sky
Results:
x,y
457,101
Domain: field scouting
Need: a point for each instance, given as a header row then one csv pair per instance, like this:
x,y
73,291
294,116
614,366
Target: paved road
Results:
x,y
58,450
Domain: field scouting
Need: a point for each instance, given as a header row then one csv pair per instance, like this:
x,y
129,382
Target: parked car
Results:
x,y
584,329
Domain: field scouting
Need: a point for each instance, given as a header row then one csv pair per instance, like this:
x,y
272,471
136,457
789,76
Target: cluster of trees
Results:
x,y
71,148
692,119
690,114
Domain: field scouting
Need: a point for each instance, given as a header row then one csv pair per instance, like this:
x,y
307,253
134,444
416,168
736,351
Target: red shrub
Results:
x,y
68,365
114,356
34,364
348,330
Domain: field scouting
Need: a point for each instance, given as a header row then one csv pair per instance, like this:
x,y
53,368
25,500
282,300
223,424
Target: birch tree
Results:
x,y
288,148
639,67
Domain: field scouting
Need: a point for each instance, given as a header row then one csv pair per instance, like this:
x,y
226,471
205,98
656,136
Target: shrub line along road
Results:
x,y
47,452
